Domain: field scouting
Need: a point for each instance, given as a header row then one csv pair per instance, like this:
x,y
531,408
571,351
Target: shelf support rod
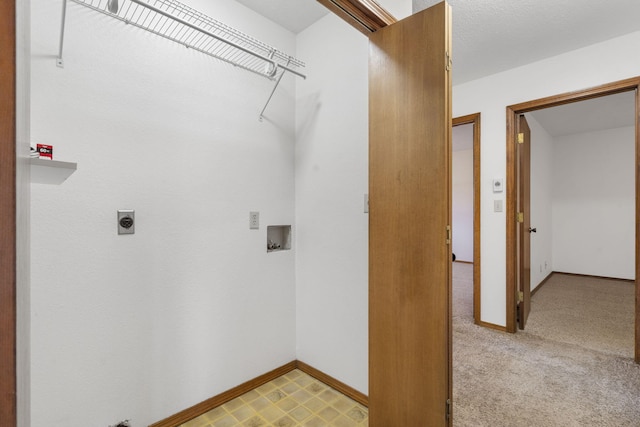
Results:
x,y
271,95
230,43
59,61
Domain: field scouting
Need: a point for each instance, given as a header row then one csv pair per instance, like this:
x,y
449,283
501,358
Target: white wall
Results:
x,y
594,203
542,184
583,68
23,285
584,223
331,180
462,204
145,325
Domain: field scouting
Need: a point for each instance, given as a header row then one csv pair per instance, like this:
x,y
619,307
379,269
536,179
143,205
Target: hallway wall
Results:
x,y
142,326
593,65
462,204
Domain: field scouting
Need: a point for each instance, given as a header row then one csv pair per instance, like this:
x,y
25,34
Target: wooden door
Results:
x,y
409,220
523,233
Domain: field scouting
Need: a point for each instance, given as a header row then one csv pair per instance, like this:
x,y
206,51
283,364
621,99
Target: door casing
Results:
x,y
513,111
8,273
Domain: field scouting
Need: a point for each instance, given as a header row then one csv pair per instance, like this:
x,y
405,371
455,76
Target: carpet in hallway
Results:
x,y
533,379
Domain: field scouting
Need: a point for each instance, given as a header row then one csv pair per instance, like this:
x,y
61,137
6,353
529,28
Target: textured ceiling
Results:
x,y
490,36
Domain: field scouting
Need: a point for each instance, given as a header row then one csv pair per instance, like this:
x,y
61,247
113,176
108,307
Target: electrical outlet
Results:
x,y
126,221
254,220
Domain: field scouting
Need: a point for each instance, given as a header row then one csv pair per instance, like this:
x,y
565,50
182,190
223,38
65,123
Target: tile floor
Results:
x,y
292,400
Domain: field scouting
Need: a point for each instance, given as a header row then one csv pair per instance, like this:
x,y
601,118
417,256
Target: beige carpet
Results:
x,y
548,375
594,313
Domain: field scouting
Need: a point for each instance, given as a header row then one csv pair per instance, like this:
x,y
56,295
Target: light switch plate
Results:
x,y
497,205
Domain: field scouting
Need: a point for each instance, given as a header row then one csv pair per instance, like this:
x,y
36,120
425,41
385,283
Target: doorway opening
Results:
x,y
466,141
515,295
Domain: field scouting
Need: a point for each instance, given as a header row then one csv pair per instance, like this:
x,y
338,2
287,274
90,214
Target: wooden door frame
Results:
x,y
8,379
474,119
570,97
366,16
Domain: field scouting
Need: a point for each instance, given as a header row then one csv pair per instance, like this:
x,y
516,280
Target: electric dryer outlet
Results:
x,y
126,221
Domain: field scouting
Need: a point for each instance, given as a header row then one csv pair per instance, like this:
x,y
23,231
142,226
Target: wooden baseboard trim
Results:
x,y
464,262
348,391
222,398
492,326
545,280
594,277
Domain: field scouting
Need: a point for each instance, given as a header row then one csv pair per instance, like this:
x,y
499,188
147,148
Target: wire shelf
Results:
x,y
182,24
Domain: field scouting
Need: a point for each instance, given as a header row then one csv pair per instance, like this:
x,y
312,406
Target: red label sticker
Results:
x,y
45,150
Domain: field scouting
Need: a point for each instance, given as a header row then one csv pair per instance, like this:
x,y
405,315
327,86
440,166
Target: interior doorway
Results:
x,y
466,131
513,213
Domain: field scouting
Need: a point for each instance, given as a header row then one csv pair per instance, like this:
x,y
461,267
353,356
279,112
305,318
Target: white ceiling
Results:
x,y
607,112
294,15
490,36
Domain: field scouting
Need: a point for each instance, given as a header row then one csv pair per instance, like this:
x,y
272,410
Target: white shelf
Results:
x,y
50,171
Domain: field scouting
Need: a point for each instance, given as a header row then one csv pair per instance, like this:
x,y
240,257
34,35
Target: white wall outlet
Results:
x,y
254,220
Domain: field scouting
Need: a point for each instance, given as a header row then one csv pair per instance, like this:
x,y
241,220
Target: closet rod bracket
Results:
x,y
59,60
275,86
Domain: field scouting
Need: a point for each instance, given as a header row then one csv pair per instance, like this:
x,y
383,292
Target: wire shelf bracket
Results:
x,y
187,26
